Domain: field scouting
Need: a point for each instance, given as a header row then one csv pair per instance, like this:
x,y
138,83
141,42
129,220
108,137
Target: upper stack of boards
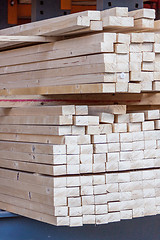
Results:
x,y
115,48
123,63
73,165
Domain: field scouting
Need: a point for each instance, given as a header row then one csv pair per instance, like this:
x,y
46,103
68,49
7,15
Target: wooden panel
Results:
x,y
82,5
12,12
82,8
66,4
24,11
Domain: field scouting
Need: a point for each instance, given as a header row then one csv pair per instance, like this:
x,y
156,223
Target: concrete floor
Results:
x,y
20,228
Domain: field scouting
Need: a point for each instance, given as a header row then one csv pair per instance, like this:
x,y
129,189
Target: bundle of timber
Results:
x,y
124,63
74,165
81,164
105,62
115,19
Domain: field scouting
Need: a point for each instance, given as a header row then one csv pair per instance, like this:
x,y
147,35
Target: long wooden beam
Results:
x,y
26,39
146,99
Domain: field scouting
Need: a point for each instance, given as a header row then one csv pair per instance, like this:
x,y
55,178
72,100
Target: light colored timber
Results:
x,y
67,89
34,158
144,23
62,63
123,38
116,11
155,29
27,101
142,13
156,26
31,167
47,120
112,109
32,138
53,27
30,187
30,178
26,39
58,72
39,111
108,78
95,26
41,208
35,197
31,147
94,98
32,214
115,22
81,110
71,43
21,30
100,47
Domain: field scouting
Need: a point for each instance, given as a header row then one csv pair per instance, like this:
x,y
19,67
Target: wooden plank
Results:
x,y
144,23
47,25
115,22
142,13
26,39
112,109
54,27
64,43
36,120
27,101
23,177
116,11
59,72
32,167
31,214
39,111
69,62
35,197
95,26
55,54
29,147
108,78
55,159
32,138
68,89
141,99
30,187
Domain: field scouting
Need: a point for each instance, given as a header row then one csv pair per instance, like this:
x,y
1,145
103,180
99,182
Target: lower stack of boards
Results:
x,y
74,165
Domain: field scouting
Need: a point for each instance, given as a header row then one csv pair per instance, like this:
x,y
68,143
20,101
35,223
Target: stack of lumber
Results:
x,y
124,63
119,19
115,60
87,22
71,165
74,165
